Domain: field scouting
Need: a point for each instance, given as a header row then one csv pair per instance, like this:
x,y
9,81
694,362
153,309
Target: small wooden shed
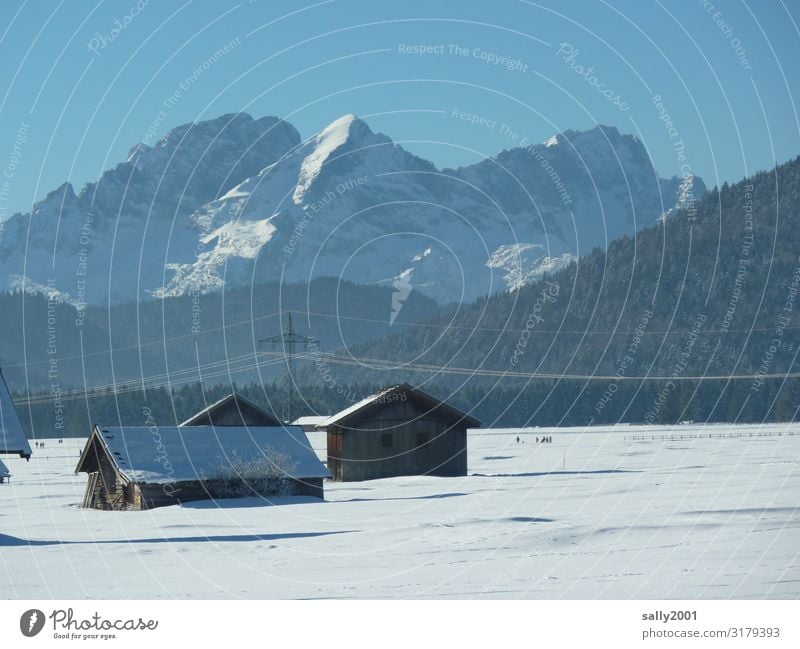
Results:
x,y
398,431
12,437
5,474
233,410
141,468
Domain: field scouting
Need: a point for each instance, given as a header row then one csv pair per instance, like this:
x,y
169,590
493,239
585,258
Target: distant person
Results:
x,y
517,439
537,439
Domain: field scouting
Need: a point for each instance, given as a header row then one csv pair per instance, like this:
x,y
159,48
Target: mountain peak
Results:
x,y
62,196
332,137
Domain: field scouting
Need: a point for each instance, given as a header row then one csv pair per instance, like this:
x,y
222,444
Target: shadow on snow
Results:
x,y
543,473
14,541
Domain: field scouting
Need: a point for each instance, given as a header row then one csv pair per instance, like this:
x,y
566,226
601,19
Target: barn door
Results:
x,y
335,455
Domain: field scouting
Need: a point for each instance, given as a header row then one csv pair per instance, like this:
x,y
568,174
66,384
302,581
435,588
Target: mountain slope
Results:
x,y
167,340
704,293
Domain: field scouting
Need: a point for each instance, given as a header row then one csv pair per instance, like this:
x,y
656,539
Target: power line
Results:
x,y
424,325
266,359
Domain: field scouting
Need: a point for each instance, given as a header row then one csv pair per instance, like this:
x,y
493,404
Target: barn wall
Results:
x,y
335,452
444,453
105,488
308,487
152,496
103,492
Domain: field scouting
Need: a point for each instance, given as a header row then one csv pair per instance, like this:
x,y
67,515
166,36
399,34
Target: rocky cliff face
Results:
x,y
233,200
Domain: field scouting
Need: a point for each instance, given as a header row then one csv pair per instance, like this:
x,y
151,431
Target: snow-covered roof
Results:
x,y
393,393
241,403
12,437
310,420
4,472
175,454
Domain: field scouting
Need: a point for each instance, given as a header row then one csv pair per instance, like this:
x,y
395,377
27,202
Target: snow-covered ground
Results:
x,y
591,515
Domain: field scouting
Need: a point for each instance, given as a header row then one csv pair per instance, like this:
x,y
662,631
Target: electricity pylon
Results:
x,y
288,339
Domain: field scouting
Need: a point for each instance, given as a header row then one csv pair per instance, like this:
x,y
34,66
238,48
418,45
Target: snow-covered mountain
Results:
x,y
110,242
235,200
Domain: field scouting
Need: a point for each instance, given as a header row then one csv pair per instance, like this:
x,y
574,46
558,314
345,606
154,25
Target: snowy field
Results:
x,y
591,515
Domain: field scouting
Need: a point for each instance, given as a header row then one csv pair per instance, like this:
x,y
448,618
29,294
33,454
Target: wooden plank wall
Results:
x,y
365,457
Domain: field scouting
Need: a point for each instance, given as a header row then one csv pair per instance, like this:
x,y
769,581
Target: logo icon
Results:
x,y
31,622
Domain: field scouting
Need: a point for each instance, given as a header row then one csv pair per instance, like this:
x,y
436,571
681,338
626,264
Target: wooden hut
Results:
x,y
5,474
398,431
142,468
233,410
12,437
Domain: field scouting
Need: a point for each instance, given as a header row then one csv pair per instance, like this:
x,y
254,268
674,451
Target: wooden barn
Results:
x,y
233,410
398,431
5,474
141,468
12,437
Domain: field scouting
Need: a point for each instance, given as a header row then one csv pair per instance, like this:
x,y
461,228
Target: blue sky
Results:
x,y
76,95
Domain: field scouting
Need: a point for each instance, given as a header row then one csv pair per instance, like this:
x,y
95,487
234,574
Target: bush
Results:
x,y
266,475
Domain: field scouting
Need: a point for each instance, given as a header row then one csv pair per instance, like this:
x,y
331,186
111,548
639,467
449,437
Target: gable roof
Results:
x,y
250,413
4,472
12,436
177,454
385,396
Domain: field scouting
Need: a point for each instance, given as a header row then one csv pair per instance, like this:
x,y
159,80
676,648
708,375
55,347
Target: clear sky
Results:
x,y
77,91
